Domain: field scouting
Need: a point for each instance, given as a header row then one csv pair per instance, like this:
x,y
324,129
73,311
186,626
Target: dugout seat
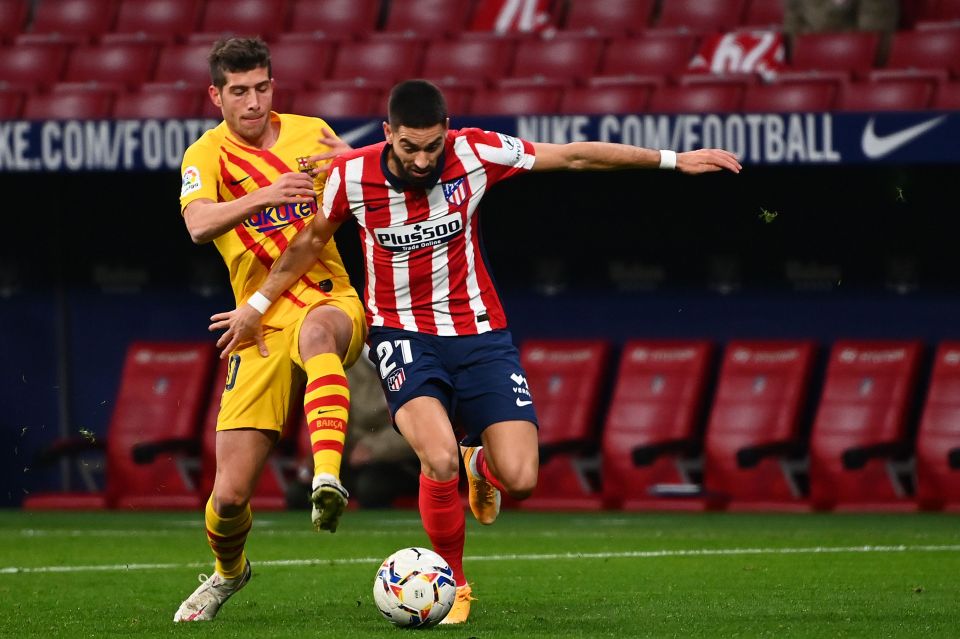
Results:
x,y
166,19
755,438
660,54
337,100
31,66
70,102
567,380
122,64
13,16
336,20
786,97
938,437
83,19
471,57
158,101
861,434
518,97
702,98
385,59
764,14
652,435
701,16
606,95
928,49
851,52
427,18
608,18
152,438
186,63
243,17
564,57
888,95
947,97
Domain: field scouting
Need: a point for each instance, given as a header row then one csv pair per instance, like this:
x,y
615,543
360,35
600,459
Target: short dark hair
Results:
x,y
417,104
235,55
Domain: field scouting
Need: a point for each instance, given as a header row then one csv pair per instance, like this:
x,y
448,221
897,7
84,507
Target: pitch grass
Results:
x,y
772,593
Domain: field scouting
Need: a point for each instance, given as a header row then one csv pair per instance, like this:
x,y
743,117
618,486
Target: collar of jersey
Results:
x,y
402,185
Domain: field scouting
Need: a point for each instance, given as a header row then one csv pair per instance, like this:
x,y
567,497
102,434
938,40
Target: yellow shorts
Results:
x,y
258,389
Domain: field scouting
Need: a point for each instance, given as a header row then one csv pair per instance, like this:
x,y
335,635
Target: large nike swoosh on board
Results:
x,y
360,132
875,147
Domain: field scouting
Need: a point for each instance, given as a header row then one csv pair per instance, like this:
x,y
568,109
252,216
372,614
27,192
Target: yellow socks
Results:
x,y
227,538
326,404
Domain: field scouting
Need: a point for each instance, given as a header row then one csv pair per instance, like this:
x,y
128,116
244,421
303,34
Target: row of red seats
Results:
x,y
475,60
757,451
600,96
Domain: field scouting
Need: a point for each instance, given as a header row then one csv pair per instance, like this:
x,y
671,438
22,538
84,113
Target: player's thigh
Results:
x,y
424,423
241,456
337,325
257,391
512,452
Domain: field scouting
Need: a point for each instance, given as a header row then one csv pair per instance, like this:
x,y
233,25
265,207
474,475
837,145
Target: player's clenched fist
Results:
x,y
288,189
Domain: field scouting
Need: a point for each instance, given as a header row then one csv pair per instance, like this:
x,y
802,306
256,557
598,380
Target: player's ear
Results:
x,y
388,132
214,94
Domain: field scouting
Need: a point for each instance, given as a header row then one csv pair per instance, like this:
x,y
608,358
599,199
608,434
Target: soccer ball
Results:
x,y
414,588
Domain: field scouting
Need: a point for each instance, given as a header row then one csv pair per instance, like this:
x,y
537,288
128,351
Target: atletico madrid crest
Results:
x,y
455,191
396,380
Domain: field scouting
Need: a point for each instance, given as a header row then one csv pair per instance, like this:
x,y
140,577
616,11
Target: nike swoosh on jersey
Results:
x,y
236,182
523,402
877,146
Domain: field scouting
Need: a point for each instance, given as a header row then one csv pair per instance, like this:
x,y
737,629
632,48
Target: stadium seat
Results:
x,y
31,67
381,59
458,95
124,64
243,17
70,102
337,20
861,433
652,435
566,379
946,10
13,16
787,97
701,16
158,101
947,97
764,14
427,18
338,101
298,65
852,52
512,17
938,438
610,17
565,58
889,95
603,95
661,54
705,98
85,19
939,49
166,19
473,57
152,438
186,63
518,98
755,440
11,104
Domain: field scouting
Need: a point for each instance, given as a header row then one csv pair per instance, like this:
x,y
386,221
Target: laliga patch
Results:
x,y
191,180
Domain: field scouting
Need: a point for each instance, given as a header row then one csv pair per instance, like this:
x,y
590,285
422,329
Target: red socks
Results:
x,y
443,520
486,473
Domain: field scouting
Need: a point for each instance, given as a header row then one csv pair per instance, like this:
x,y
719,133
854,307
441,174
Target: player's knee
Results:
x,y
521,485
440,465
229,503
317,338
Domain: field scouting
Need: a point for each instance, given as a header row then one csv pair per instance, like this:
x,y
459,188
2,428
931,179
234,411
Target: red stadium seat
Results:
x,y
11,104
152,439
889,95
13,16
73,102
861,428
560,58
947,97
476,57
610,17
946,10
335,19
853,52
651,437
186,63
458,95
933,49
706,98
786,97
754,440
129,64
660,54
607,97
938,438
158,101
84,18
383,59
427,18
297,65
764,13
518,98
566,379
165,19
31,66
338,101
701,16
244,17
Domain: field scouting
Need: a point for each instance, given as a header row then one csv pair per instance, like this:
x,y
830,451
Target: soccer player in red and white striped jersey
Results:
x,y
438,333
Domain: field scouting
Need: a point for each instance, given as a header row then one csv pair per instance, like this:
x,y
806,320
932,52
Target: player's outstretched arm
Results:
x,y
605,156
242,324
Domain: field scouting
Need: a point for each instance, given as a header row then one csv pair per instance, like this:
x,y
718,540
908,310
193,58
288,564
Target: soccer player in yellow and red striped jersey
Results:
x,y
250,185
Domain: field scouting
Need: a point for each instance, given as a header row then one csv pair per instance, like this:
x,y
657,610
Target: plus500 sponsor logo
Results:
x,y
427,233
277,217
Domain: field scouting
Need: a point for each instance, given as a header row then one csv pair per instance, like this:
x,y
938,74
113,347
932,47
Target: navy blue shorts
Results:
x,y
478,378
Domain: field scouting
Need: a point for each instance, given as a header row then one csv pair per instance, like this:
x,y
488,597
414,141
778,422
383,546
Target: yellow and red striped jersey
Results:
x,y
221,168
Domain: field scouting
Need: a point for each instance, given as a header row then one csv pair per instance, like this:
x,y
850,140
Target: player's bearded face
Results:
x,y
246,100
416,152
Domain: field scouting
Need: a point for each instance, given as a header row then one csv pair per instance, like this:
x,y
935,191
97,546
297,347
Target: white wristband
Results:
x,y
260,302
668,159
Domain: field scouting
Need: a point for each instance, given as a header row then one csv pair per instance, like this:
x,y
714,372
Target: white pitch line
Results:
x,y
636,554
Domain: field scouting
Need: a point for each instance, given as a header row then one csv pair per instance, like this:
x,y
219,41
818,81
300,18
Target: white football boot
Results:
x,y
206,600
329,500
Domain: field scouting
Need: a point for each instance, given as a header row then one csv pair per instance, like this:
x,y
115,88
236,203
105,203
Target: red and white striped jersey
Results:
x,y
424,262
